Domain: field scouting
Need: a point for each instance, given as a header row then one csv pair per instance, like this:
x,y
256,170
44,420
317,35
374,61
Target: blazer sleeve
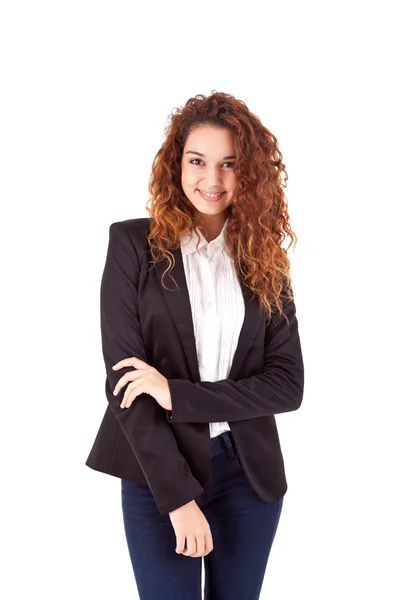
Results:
x,y
143,423
278,389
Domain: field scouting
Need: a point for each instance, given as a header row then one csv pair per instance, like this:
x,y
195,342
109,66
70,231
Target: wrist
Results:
x,y
187,505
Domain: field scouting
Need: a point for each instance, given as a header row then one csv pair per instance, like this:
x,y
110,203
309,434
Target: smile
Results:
x,y
213,195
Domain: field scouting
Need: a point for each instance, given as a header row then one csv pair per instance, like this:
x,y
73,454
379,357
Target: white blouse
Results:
x,y
217,307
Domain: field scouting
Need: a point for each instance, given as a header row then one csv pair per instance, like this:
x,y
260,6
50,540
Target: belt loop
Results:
x,y
228,444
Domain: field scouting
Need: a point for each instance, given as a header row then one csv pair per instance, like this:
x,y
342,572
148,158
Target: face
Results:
x,y
207,169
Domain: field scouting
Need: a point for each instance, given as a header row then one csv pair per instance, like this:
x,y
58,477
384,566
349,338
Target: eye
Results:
x,y
195,161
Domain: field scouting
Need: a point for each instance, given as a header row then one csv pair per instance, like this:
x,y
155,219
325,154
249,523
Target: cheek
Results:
x,y
230,181
188,178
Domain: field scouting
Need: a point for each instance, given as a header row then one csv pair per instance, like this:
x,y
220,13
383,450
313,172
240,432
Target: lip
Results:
x,y
208,199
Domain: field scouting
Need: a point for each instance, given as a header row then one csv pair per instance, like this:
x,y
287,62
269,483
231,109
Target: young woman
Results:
x,y
201,347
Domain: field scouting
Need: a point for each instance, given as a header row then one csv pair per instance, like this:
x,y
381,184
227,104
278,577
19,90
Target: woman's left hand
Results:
x,y
144,380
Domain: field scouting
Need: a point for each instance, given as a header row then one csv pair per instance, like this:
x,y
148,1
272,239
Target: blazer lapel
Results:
x,y
179,305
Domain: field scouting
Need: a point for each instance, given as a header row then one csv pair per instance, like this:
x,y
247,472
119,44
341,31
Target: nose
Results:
x,y
212,177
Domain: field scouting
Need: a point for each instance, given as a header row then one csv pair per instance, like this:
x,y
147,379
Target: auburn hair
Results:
x,y
258,215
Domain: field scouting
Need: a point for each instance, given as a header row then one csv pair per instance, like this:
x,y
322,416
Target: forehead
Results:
x,y
209,138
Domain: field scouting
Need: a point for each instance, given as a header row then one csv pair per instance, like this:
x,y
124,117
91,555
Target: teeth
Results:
x,y
211,195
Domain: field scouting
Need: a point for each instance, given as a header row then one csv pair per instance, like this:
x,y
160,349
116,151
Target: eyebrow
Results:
x,y
203,155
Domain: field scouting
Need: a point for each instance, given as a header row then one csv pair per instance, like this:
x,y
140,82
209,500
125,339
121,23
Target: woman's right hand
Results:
x,y
190,523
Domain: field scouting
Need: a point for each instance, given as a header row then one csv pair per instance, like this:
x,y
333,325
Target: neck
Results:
x,y
211,225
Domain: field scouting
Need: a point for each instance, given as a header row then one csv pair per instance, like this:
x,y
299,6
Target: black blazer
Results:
x,y
169,451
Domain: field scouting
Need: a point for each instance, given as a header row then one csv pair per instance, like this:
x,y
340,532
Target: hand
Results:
x,y
144,380
189,522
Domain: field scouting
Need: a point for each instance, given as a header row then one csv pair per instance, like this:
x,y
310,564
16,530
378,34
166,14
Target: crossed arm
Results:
x,y
278,389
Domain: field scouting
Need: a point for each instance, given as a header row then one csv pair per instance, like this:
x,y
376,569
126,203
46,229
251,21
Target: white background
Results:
x,y
86,88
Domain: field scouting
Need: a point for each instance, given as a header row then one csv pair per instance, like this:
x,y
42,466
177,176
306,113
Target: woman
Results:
x,y
196,372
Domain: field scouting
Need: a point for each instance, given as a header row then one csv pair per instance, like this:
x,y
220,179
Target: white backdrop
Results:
x,y
86,90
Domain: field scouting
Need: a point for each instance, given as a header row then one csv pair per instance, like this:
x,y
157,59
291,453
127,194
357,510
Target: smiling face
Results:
x,y
207,170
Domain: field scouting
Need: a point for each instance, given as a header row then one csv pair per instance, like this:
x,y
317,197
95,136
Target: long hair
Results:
x,y
258,215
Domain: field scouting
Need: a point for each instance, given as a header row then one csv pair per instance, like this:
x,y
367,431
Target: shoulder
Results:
x,y
134,229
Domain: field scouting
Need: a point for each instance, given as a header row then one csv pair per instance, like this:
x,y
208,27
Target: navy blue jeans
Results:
x,y
243,528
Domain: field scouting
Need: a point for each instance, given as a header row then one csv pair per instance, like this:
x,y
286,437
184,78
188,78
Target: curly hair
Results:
x,y
258,215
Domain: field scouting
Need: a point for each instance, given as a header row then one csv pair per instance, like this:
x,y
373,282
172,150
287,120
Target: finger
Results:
x,y
132,361
133,390
191,545
200,543
180,543
130,397
140,385
119,385
130,376
125,362
126,395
